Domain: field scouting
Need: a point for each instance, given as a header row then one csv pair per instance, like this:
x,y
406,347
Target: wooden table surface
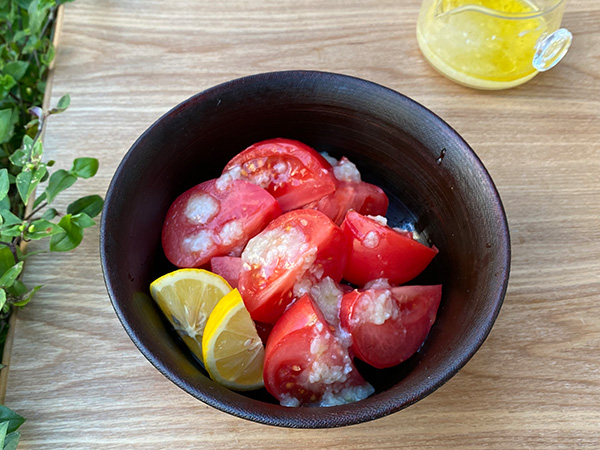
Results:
x,y
535,383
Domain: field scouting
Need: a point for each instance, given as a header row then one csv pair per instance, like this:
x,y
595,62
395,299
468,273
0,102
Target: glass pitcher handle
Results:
x,y
551,48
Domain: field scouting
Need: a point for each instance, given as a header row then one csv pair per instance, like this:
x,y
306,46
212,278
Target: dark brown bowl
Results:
x,y
434,181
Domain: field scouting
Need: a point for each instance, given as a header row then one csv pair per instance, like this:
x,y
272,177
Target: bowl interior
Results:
x,y
434,180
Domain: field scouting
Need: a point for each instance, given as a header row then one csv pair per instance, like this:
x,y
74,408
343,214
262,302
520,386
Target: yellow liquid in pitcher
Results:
x,y
478,49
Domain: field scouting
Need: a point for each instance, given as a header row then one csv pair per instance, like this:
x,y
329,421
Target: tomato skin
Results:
x,y
300,344
212,220
364,198
378,251
228,267
302,314
299,246
370,200
294,173
412,312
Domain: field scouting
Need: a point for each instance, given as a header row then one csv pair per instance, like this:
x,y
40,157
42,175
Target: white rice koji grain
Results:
x,y
201,208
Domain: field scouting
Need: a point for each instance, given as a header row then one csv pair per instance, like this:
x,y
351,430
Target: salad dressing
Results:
x,y
487,44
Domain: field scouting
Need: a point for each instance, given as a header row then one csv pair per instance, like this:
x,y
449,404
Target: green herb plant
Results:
x,y
10,421
26,51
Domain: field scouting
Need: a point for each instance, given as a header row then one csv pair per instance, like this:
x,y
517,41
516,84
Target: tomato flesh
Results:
x,y
378,251
306,364
294,251
388,325
361,197
212,220
294,173
350,193
228,267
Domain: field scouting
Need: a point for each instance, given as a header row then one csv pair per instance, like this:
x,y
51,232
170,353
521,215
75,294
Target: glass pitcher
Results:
x,y
492,44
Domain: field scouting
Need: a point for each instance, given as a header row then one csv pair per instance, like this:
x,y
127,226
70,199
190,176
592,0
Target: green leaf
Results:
x,y
7,259
62,104
24,181
20,157
3,426
12,418
83,220
4,183
69,238
8,118
10,218
49,214
5,123
10,231
90,204
39,199
12,440
59,181
18,289
27,181
24,3
48,57
37,150
27,298
40,229
2,303
7,82
36,12
84,167
5,202
16,69
9,277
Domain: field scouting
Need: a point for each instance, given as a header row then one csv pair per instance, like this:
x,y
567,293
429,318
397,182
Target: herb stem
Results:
x,y
36,210
49,20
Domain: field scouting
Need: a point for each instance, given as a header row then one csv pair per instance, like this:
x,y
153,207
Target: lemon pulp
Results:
x,y
232,349
478,49
187,297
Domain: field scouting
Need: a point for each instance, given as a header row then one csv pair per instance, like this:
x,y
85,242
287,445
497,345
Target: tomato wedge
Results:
x,y
378,251
306,364
350,193
388,325
294,251
362,197
294,173
213,219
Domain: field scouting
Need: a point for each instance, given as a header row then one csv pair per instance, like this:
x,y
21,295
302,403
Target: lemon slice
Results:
x,y
187,297
232,349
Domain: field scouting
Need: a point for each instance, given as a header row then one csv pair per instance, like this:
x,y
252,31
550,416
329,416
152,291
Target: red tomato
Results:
x,y
212,219
294,173
362,197
294,251
388,325
306,364
369,200
378,251
229,267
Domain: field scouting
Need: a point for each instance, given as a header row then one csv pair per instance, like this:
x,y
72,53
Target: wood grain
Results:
x,y
535,383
